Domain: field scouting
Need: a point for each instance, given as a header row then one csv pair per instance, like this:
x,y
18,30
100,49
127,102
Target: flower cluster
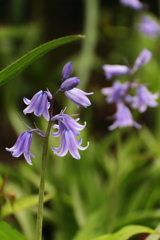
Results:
x,y
119,92
68,128
148,25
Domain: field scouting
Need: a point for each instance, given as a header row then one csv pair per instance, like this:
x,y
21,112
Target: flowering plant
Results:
x,y
119,92
42,103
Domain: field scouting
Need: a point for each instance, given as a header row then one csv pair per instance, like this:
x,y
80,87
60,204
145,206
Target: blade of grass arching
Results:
x,y
137,216
126,233
30,57
154,236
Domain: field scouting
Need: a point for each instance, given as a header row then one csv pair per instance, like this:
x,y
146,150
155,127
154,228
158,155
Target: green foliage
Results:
x,y
9,233
126,233
23,203
116,182
154,236
30,57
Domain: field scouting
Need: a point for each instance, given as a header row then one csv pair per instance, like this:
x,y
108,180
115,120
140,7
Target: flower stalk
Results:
x,y
42,184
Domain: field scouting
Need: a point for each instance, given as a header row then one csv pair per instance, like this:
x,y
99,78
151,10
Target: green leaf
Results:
x,y
9,233
126,233
30,57
23,203
154,236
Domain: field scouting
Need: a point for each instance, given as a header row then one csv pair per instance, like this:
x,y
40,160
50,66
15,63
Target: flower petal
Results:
x,y
114,70
78,97
71,143
26,101
63,148
66,71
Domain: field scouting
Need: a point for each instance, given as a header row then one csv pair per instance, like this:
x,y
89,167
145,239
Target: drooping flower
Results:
x,y
22,146
135,4
69,84
148,26
68,129
66,71
39,104
123,118
115,70
118,92
78,97
144,98
144,57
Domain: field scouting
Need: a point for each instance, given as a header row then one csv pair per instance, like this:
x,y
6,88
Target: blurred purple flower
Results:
x,y
22,146
115,70
66,71
78,97
123,118
144,57
148,26
38,104
144,99
118,92
135,4
68,129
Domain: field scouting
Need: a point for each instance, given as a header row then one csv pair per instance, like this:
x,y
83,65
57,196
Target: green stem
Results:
x,y
42,184
114,186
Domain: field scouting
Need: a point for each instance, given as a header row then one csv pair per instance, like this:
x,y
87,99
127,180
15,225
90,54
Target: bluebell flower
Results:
x,y
144,57
115,70
118,92
66,71
123,118
75,95
78,97
22,146
144,98
39,104
148,26
68,129
135,4
69,84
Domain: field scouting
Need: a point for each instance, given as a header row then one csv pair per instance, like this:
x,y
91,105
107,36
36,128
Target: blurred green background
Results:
x,y
117,180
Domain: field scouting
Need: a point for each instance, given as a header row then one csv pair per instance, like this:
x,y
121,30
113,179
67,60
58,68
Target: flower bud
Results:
x,y
144,57
66,71
69,84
